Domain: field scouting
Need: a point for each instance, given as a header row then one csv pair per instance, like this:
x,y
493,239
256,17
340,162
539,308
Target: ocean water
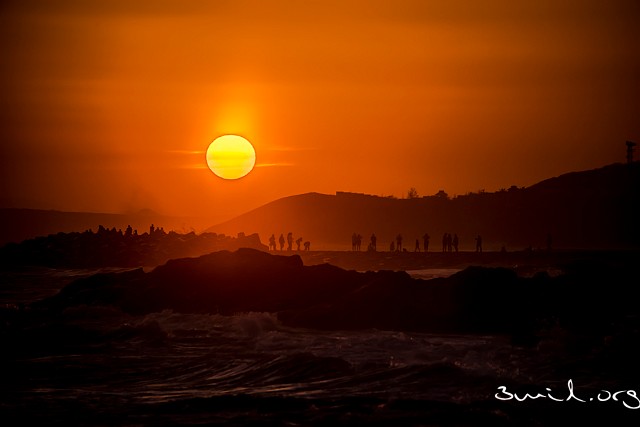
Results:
x,y
99,366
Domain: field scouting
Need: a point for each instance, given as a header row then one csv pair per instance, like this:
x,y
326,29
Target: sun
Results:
x,y
231,156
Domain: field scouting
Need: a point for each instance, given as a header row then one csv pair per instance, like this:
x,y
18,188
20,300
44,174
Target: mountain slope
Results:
x,y
589,209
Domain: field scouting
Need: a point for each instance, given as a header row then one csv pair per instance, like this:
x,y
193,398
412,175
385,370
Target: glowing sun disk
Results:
x,y
231,156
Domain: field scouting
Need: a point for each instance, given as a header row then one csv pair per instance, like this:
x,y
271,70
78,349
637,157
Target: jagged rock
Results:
x,y
475,300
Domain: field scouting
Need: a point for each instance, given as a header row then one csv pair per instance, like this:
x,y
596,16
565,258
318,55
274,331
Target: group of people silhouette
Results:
x,y
289,241
425,243
356,242
130,232
450,243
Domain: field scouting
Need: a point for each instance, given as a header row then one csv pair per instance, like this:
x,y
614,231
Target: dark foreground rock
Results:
x,y
589,297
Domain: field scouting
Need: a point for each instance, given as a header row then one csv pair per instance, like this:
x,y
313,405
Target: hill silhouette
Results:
x,y
590,209
17,225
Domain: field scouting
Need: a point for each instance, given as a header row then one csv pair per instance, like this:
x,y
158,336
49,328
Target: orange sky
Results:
x,y
110,107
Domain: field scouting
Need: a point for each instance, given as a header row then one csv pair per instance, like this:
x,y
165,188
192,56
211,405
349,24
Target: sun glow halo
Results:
x,y
231,156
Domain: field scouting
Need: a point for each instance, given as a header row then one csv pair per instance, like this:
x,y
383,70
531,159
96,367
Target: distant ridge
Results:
x,y
589,209
17,225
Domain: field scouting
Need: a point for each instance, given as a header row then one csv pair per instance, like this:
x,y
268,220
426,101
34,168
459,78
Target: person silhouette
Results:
x,y
399,242
281,241
392,247
307,245
272,242
358,242
298,241
479,243
425,241
374,240
289,241
417,249
455,242
354,241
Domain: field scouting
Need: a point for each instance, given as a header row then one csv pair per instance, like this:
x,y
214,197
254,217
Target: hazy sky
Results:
x,y
110,105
